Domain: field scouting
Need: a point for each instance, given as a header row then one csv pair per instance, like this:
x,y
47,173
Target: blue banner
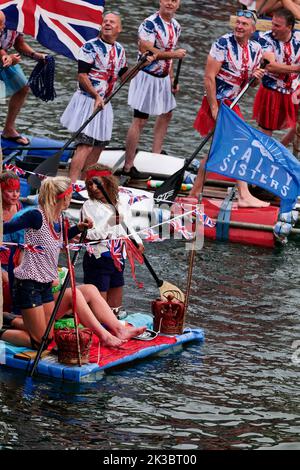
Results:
x,y
244,153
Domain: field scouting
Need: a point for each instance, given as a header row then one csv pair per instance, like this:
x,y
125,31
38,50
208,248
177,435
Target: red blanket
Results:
x,y
108,355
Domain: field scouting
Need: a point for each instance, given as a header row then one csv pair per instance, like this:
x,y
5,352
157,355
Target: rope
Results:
x,y
41,80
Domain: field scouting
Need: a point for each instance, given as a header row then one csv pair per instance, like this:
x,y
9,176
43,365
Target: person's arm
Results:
x,y
30,219
87,86
293,7
275,67
160,55
211,71
23,48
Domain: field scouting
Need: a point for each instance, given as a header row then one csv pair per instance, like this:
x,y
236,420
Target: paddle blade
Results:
x,y
48,167
169,289
168,191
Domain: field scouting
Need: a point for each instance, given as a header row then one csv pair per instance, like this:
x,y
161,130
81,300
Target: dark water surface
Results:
x,y
240,389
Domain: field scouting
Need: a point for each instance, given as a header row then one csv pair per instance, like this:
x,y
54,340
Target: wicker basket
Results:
x,y
168,316
65,339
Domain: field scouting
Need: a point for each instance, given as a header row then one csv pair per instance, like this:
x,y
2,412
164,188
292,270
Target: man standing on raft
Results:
x,y
233,59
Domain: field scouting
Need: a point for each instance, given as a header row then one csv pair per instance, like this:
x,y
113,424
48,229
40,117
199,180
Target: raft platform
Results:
x,y
108,358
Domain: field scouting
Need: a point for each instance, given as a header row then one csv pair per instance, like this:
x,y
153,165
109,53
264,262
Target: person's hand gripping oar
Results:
x,y
50,165
165,287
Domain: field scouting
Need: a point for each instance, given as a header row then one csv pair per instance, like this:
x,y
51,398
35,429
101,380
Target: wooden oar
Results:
x,y
176,79
165,287
50,165
168,191
56,307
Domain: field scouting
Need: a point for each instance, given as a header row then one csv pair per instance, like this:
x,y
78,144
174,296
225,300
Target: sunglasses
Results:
x,y
247,14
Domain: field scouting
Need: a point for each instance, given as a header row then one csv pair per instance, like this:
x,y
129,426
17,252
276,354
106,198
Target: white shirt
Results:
x,y
103,216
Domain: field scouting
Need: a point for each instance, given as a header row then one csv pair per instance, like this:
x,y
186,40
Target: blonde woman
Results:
x,y
32,290
34,277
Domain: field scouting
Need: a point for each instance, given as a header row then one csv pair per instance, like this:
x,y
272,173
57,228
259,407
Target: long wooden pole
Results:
x,y
260,227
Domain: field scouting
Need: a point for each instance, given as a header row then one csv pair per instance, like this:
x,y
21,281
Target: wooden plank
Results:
x,y
261,25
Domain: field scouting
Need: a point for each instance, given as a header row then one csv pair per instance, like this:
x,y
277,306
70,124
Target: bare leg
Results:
x,y
199,181
267,7
17,337
289,136
78,161
14,106
245,198
18,324
265,131
36,320
91,159
115,296
92,310
160,130
105,315
132,140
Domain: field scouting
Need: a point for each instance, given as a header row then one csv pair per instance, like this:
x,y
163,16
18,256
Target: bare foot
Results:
x,y
128,332
251,201
111,341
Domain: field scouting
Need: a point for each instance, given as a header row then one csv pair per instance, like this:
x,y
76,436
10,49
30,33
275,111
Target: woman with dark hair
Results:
x,y
99,267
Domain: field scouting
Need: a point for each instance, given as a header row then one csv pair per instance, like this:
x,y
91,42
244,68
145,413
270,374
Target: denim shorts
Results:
x,y
102,273
29,294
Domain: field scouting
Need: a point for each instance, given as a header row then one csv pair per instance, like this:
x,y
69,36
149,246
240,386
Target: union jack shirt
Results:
x,y
285,53
106,60
238,64
8,38
164,36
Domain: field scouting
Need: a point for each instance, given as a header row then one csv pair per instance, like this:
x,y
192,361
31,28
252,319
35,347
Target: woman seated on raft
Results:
x,y
35,275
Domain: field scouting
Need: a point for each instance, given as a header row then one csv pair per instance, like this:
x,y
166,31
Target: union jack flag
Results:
x,y
60,25
117,252
32,248
180,228
151,236
133,199
208,222
15,169
77,187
